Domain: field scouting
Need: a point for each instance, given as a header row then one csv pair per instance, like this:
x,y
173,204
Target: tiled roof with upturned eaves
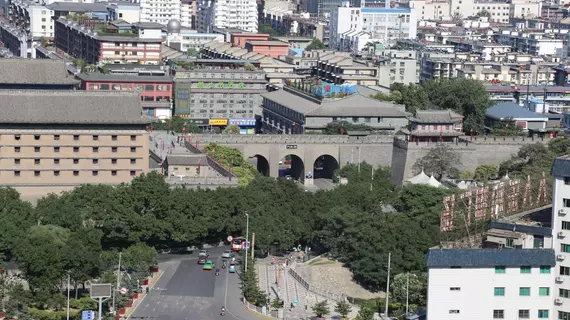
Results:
x,y
40,72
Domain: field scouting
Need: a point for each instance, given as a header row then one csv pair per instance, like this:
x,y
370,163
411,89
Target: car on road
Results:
x,y
227,254
202,260
232,268
203,253
288,177
209,265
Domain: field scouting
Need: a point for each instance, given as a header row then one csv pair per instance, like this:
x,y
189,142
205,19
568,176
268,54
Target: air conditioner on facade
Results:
x,y
562,212
560,257
559,279
561,234
558,301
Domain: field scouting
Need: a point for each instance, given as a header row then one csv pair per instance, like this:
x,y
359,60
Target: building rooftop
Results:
x,y
436,116
187,160
124,78
40,72
512,110
561,167
267,43
78,7
355,105
547,232
489,258
70,107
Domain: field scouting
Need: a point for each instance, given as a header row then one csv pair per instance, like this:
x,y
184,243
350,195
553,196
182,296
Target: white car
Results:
x,y
227,254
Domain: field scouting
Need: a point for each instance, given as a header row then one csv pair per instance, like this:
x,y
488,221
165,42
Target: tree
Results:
x,y
231,129
321,309
486,172
249,67
268,29
441,161
343,308
192,52
139,258
411,286
483,13
507,127
82,255
176,125
412,96
341,127
465,175
316,44
365,313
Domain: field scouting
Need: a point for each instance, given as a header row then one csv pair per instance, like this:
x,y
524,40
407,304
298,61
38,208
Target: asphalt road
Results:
x,y
186,292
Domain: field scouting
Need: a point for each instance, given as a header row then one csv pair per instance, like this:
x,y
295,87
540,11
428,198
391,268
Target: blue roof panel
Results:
x,y
481,258
510,109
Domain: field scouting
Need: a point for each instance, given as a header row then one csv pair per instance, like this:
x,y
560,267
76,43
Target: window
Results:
x,y
113,173
56,173
16,149
544,291
56,149
455,289
524,314
114,161
500,269
543,314
564,247
454,311
380,119
75,149
16,161
55,161
524,291
75,161
563,315
75,173
114,149
56,137
36,137
114,138
95,173
509,243
17,173
75,137
565,271
36,149
95,161
133,149
498,314
36,161
36,173
133,173
95,138
545,269
565,225
133,138
499,291
525,269
563,293
17,137
95,149
566,202
133,161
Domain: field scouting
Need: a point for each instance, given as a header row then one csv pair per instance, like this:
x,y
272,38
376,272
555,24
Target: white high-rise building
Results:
x,y
239,14
159,11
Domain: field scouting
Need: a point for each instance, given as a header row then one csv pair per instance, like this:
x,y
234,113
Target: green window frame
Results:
x,y
525,269
499,291
563,293
565,225
545,269
564,271
500,269
564,247
544,291
524,291
543,314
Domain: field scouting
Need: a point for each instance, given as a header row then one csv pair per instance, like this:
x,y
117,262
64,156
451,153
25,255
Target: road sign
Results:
x,y
230,238
245,244
124,291
100,291
88,315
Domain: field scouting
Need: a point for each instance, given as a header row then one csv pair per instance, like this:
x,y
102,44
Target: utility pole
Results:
x,y
358,160
246,238
68,284
118,282
388,286
407,291
372,179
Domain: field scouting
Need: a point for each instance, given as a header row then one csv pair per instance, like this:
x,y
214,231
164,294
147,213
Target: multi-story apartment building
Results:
x,y
214,89
56,140
129,12
377,24
400,66
188,10
340,68
141,43
431,10
534,43
31,17
184,39
159,11
239,14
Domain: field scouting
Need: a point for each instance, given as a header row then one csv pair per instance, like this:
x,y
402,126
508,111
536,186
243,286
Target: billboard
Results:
x,y
100,290
218,122
493,201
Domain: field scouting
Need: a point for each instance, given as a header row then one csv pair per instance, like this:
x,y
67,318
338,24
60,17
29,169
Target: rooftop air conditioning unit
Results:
x,y
558,301
561,234
559,279
562,212
560,257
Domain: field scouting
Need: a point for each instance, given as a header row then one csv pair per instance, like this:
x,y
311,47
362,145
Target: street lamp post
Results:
x,y
246,237
68,284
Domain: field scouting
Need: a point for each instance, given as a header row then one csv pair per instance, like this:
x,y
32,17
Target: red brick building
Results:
x,y
239,39
269,48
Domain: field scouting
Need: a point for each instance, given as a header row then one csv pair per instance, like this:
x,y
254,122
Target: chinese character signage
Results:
x,y
220,85
243,122
218,122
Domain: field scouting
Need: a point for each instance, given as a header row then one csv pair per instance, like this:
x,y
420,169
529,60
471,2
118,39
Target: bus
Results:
x,y
237,243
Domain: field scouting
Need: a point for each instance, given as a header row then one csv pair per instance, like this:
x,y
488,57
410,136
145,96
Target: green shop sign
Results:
x,y
221,85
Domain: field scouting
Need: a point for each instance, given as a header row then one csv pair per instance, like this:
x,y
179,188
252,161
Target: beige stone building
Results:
x,y
52,141
188,166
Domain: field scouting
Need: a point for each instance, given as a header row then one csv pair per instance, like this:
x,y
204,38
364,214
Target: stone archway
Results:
x,y
324,166
292,166
261,163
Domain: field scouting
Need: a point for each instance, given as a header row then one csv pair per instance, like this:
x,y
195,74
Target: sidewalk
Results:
x,y
136,302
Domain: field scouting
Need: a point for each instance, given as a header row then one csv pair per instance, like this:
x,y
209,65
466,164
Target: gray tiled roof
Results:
x,y
187,160
41,71
510,109
78,7
355,105
480,258
70,107
123,78
547,232
561,167
436,116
